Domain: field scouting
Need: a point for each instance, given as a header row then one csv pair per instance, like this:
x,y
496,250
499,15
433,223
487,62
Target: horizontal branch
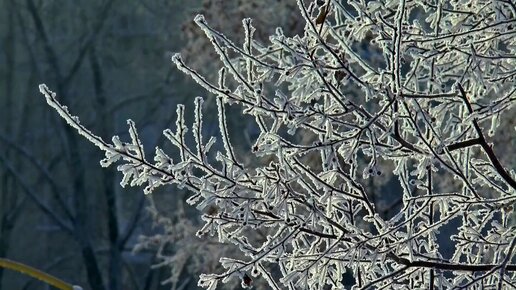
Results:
x,y
453,267
463,144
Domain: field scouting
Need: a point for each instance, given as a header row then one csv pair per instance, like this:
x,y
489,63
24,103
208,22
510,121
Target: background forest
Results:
x,y
109,60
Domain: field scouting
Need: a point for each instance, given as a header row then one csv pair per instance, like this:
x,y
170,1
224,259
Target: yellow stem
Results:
x,y
35,273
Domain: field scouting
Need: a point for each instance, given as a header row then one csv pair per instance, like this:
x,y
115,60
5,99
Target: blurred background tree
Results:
x,y
108,59
58,212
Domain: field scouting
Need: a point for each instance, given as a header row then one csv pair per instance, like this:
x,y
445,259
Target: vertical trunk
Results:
x,y
82,217
115,258
77,169
6,193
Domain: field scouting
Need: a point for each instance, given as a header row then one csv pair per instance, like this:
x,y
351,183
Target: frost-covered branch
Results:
x,y
401,88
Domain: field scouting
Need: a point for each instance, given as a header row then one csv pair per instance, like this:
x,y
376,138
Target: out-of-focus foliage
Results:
x,y
58,212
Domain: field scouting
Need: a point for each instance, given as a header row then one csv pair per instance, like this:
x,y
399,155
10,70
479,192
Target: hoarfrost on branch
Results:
x,y
413,87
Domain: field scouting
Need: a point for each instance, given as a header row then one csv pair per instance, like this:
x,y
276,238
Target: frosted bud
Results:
x,y
199,19
176,58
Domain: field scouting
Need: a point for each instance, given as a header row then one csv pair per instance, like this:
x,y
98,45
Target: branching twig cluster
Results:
x,y
426,107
